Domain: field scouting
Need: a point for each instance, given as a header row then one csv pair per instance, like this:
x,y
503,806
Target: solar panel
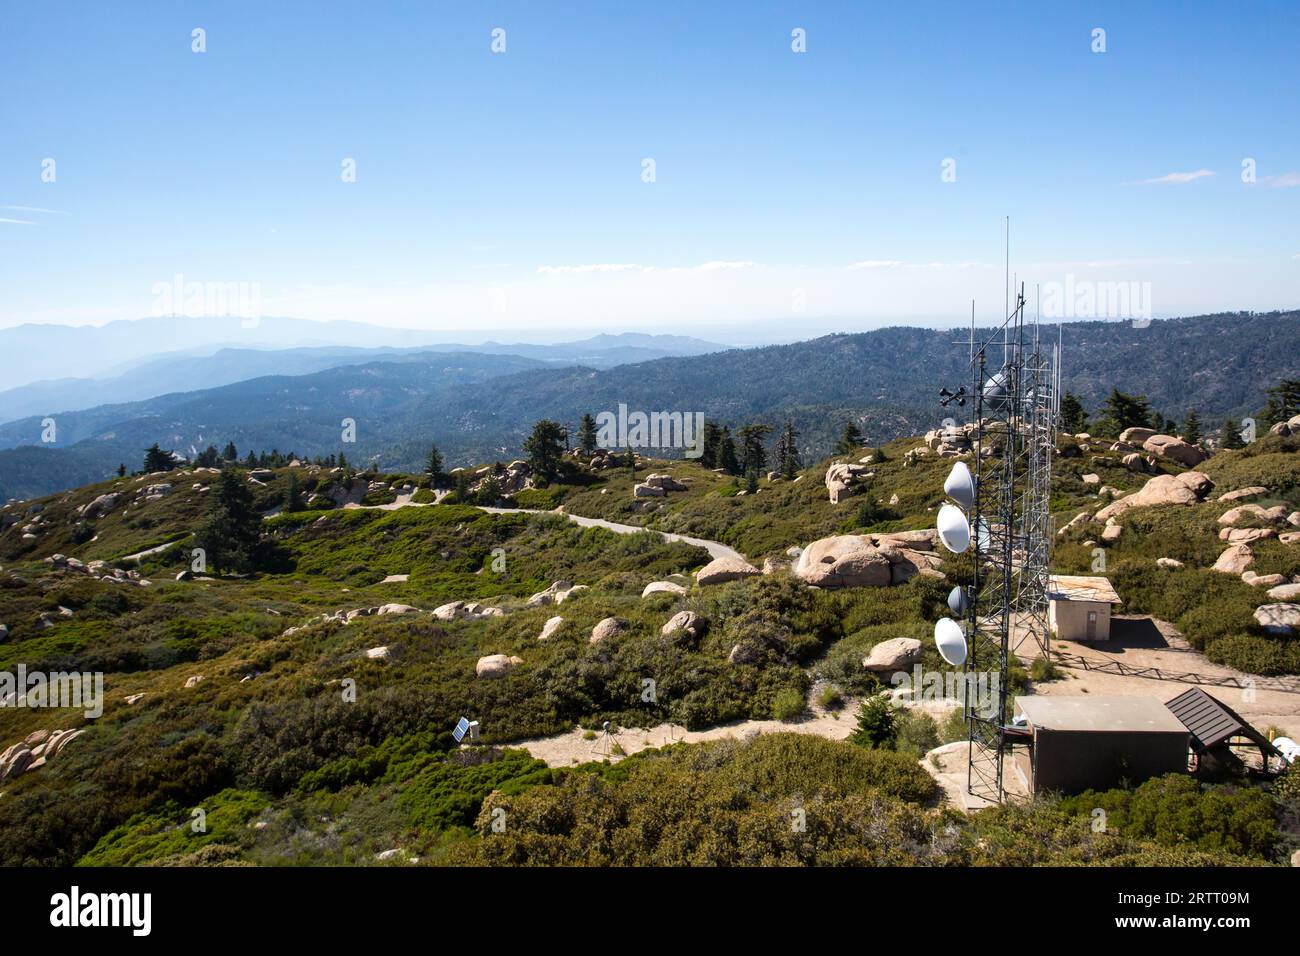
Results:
x,y
462,727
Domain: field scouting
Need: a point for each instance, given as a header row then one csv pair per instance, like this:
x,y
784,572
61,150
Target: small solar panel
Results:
x,y
462,727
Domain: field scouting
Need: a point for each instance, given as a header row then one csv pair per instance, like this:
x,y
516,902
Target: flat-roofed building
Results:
x,y
1079,607
1093,743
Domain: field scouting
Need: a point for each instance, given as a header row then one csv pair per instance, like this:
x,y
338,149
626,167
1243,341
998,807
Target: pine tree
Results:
x,y
788,460
155,459
462,487
1125,411
752,446
877,726
711,445
1073,417
1283,402
121,471
230,453
293,497
727,460
233,528
587,438
433,468
1230,435
850,440
545,448
1192,428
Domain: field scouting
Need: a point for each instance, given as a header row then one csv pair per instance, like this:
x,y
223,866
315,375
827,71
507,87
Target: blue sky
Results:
x,y
505,191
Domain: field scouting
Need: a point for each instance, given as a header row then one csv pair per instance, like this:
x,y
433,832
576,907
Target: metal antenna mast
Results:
x,y
1015,436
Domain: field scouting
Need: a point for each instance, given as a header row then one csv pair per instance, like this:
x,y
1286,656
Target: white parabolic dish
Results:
x,y
960,486
950,641
954,529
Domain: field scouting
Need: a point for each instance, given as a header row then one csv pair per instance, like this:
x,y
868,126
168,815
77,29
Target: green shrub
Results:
x,y
788,704
877,724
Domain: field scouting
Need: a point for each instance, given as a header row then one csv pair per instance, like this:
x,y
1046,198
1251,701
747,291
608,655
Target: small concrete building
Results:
x,y
1079,607
1093,743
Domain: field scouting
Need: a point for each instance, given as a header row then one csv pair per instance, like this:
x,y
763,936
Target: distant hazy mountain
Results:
x,y
480,407
186,371
52,352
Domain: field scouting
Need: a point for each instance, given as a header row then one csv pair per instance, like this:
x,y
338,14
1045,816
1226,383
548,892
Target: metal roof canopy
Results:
x,y
1100,714
1072,587
1212,722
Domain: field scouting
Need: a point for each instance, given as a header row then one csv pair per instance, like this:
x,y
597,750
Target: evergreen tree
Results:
x,y
727,460
788,459
462,487
1192,428
155,459
587,435
545,448
711,446
850,440
753,450
233,528
877,726
433,468
230,453
251,460
1125,411
343,461
1283,402
1073,417
293,497
121,471
1230,435
751,481
489,491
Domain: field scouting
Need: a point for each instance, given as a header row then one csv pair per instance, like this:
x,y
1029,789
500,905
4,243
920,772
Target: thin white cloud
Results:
x,y
715,265
57,212
1177,179
18,222
874,264
1283,181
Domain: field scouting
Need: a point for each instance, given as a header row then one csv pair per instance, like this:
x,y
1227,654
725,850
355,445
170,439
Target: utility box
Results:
x,y
1079,607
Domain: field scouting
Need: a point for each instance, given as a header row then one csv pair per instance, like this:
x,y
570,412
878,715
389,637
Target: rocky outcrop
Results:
x,y
844,480
100,506
721,570
687,621
1245,535
34,751
1169,564
551,628
1275,515
1281,619
1186,489
896,654
1263,580
1287,593
1136,436
496,665
557,593
1254,491
609,627
1235,559
1174,448
456,610
656,486
662,587
853,560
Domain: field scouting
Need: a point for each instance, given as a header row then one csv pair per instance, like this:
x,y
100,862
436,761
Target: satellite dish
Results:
x,y
995,390
957,601
951,641
960,486
954,529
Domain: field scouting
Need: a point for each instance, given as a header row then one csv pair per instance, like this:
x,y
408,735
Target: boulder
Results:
x,y
647,491
1091,479
1289,537
896,654
852,560
1235,559
191,682
496,665
1078,521
550,628
1242,512
607,628
687,621
377,653
720,570
1174,449
743,653
1263,580
466,609
552,595
1287,593
662,587
1169,564
664,482
101,505
1186,489
1111,533
1283,619
1136,436
396,609
844,480
1135,462
1245,535
1254,491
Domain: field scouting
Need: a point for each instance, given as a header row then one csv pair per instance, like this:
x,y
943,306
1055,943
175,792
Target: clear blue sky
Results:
x,y
477,170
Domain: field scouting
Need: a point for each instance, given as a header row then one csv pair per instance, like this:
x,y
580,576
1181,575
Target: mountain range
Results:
x,y
478,406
